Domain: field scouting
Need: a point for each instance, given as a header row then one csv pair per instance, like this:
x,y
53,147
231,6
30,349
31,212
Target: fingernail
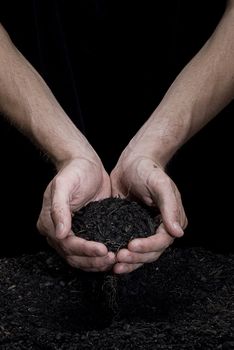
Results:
x,y
179,230
59,230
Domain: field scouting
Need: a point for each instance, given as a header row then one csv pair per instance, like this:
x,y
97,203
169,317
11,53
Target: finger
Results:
x,y
101,269
126,256
44,227
60,208
184,219
167,198
92,263
73,245
84,262
121,268
156,243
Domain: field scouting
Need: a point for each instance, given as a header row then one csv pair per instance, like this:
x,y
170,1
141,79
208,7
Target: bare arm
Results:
x,y
203,88
29,104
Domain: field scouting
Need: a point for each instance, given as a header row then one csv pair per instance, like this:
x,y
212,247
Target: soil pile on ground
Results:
x,y
184,301
114,222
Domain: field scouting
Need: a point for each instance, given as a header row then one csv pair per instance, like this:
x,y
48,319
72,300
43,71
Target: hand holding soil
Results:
x,y
115,222
141,177
68,191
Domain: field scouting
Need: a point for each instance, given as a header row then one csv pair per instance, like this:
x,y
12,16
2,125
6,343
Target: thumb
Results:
x,y
61,217
61,214
170,207
171,218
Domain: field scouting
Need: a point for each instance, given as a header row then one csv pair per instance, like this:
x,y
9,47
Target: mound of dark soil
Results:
x,y
114,222
184,301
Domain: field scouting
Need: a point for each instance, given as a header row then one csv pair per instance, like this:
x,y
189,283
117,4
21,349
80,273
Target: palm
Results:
x,y
143,178
77,183
84,182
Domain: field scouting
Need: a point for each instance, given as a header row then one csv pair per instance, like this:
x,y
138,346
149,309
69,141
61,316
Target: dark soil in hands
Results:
x,y
184,301
114,222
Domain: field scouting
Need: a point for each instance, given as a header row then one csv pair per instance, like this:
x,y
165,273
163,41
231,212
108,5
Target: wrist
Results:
x,y
69,155
58,136
160,137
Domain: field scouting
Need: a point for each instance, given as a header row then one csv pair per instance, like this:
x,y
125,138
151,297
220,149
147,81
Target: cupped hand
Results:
x,y
141,177
78,182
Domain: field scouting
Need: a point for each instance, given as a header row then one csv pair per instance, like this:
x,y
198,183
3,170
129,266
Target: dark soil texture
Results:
x,y
114,222
185,300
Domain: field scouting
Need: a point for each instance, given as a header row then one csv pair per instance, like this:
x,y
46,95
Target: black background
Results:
x,y
109,64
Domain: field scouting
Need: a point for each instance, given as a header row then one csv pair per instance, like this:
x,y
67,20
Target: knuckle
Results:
x,y
161,181
165,181
55,210
41,227
167,244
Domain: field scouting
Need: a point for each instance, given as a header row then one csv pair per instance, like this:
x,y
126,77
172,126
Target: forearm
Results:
x,y
201,91
28,103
